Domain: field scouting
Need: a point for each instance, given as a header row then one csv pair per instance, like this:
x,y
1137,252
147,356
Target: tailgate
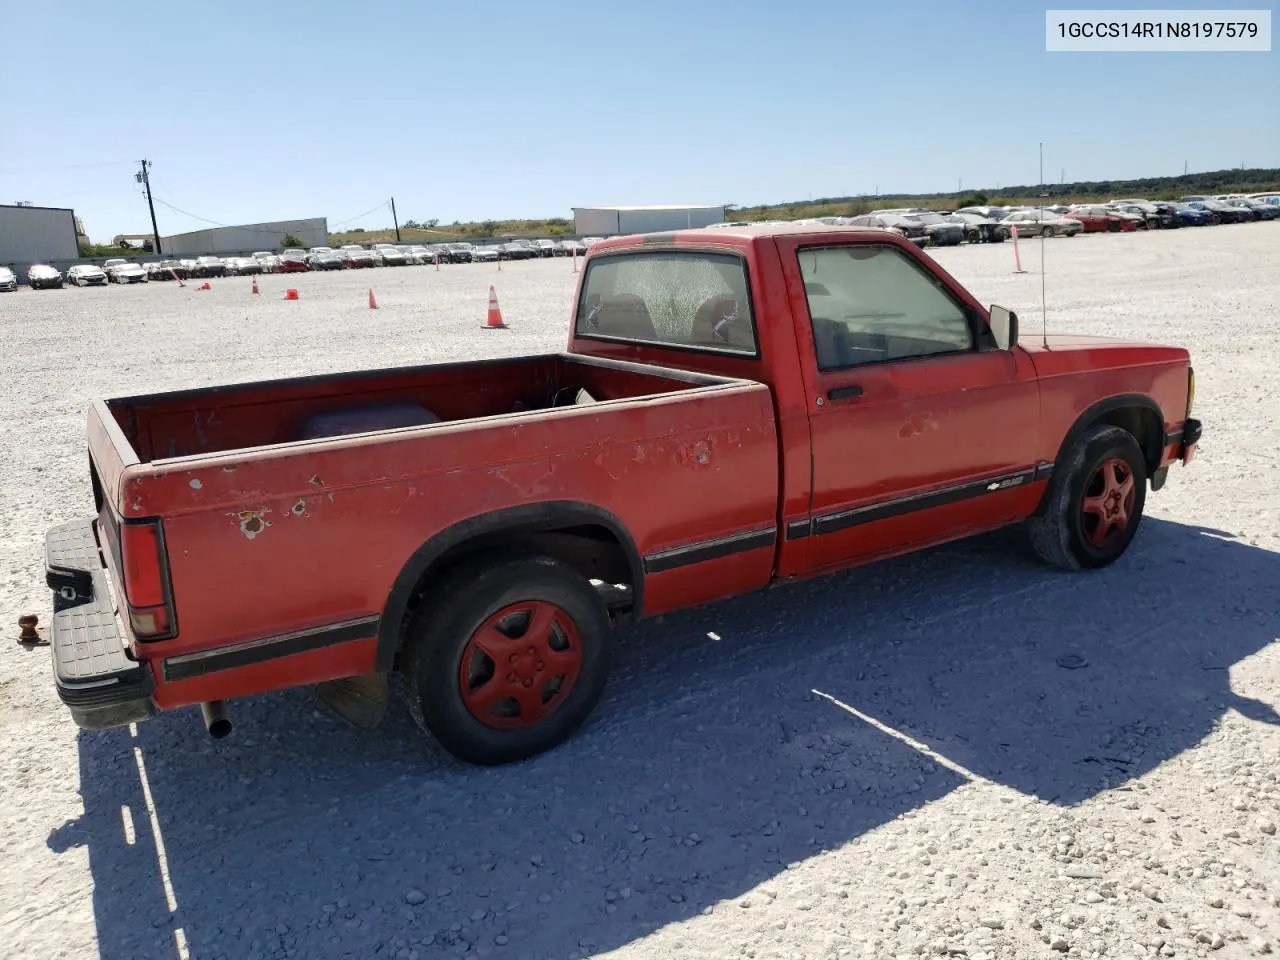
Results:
x,y
110,455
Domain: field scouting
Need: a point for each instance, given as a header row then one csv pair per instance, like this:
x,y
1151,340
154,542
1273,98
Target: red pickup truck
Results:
x,y
736,407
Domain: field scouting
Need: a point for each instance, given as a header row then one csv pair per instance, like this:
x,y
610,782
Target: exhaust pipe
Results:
x,y
215,718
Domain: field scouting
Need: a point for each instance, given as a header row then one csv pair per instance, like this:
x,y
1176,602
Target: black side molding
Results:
x,y
186,666
833,522
709,550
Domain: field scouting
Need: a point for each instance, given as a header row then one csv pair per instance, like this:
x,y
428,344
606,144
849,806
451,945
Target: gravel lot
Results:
x,y
887,763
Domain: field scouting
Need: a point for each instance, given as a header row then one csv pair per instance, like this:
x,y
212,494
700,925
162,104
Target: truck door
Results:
x,y
922,429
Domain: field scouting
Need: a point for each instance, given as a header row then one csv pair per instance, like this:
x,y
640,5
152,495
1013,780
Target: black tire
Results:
x,y
1061,533
442,632
1046,231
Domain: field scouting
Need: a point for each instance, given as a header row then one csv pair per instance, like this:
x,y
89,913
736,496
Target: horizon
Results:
x,y
524,113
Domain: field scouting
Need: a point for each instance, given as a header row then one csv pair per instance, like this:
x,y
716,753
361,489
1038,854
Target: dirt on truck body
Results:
x,y
735,407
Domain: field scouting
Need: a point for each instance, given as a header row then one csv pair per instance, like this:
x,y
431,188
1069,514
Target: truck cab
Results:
x,y
908,413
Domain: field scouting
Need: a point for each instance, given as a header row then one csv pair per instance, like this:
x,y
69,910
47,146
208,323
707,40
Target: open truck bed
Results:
x,y
288,514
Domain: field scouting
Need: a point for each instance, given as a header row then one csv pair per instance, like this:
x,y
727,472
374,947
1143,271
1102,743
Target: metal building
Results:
x,y
609,221
247,238
37,235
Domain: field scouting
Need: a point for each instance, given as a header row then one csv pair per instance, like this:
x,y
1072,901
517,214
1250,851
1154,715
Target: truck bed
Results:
x,y
254,478
218,419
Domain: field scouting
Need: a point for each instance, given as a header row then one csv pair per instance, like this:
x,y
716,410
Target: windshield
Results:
x,y
695,300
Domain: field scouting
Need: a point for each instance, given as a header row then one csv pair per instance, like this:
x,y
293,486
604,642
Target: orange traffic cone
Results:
x,y
255,284
494,320
373,304
291,294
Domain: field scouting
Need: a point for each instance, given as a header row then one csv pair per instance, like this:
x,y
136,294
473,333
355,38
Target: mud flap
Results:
x,y
361,701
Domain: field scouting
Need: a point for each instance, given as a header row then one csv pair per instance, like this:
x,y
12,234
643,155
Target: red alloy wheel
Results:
x,y
520,665
1108,503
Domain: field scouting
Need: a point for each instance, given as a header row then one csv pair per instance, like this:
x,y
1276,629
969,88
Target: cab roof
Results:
x,y
740,236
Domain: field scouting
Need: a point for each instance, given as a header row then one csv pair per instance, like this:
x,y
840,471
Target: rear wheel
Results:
x,y
1094,503
507,657
1046,231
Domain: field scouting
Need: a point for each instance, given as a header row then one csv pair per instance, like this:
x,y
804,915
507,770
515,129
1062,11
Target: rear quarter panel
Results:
x,y
268,541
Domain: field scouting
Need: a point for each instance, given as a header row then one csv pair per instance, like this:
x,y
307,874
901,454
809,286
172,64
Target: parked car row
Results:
x,y
995,224
292,260
923,227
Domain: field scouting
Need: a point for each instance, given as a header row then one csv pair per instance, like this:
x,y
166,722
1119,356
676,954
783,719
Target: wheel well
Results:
x,y
1145,425
592,549
1135,413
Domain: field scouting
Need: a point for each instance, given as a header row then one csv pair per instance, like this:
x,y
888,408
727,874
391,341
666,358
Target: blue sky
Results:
x,y
525,108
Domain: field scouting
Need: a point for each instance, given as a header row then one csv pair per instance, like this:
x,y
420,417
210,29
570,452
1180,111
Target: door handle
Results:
x,y
844,393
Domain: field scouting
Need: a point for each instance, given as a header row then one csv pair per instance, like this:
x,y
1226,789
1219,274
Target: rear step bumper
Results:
x,y
93,673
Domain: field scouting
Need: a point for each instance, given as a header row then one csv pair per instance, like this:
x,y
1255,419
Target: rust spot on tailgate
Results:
x,y
299,509
315,481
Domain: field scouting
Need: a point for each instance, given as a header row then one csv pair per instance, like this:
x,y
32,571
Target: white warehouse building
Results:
x,y
37,235
247,238
611,221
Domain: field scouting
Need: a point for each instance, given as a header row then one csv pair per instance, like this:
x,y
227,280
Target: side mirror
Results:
x,y
1004,327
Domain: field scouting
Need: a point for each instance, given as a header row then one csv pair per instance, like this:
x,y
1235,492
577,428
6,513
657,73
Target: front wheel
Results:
x,y
1046,232
507,657
1093,506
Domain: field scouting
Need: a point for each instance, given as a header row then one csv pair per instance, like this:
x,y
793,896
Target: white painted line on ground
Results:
x,y
161,857
914,744
126,815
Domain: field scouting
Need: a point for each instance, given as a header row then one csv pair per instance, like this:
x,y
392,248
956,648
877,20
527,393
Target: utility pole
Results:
x,y
394,220
145,180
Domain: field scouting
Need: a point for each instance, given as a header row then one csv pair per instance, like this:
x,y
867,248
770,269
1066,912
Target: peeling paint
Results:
x,y
695,454
230,469
331,498
195,483
299,508
917,424
252,522
315,481
522,476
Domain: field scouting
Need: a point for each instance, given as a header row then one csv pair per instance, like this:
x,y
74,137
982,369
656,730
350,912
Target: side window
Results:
x,y
871,304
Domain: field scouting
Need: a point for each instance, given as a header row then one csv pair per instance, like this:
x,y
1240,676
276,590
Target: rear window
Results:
x,y
694,300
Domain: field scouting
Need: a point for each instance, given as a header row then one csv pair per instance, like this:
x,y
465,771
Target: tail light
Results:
x,y
146,583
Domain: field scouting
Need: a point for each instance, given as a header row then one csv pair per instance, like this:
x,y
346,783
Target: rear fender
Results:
x,y
513,523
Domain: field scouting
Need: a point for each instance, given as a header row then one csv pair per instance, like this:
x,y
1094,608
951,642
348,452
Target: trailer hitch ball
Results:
x,y
27,633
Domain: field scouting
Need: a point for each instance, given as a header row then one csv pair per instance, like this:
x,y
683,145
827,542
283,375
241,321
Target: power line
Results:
x,y
216,223
343,223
